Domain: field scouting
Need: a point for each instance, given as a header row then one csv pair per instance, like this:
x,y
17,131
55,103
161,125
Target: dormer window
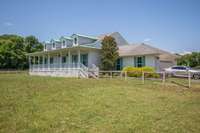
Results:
x,y
53,45
75,41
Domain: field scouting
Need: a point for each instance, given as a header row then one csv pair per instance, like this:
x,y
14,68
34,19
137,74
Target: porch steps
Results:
x,y
93,74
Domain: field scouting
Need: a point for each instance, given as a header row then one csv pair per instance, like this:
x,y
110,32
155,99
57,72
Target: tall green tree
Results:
x,y
12,53
13,50
192,60
109,53
32,44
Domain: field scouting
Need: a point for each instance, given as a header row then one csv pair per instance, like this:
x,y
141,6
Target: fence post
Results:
x,y
111,74
163,77
143,77
189,79
125,75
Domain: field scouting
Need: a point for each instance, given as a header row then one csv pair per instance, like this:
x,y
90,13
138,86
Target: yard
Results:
x,y
46,104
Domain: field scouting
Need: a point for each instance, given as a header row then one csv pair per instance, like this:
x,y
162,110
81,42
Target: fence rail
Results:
x,y
143,76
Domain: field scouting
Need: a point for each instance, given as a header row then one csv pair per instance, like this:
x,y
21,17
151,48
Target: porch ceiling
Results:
x,y
83,48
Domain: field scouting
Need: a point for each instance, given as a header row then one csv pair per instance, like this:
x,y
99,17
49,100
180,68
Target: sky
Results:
x,y
172,25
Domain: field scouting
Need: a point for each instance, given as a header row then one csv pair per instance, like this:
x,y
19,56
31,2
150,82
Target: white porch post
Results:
x,y
69,58
57,62
79,58
60,60
33,62
38,63
48,61
29,61
43,62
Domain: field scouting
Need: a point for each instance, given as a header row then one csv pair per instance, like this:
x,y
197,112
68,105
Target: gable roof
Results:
x,y
118,38
166,56
90,37
145,49
138,49
65,37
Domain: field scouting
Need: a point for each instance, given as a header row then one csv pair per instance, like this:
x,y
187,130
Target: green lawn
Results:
x,y
54,105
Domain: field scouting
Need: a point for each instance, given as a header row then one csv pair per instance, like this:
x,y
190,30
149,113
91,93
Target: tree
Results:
x,y
32,44
13,50
12,53
192,60
109,53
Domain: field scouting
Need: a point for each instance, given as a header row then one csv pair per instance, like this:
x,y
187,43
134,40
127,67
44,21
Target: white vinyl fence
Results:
x,y
155,76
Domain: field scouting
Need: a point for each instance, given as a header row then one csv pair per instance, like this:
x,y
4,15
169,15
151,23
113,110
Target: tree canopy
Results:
x,y
192,60
109,53
32,44
13,50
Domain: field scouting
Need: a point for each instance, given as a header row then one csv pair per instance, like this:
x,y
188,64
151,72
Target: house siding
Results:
x,y
58,45
166,64
128,61
69,43
84,40
93,58
48,46
150,60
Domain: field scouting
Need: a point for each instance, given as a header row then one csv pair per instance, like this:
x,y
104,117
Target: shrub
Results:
x,y
197,67
137,71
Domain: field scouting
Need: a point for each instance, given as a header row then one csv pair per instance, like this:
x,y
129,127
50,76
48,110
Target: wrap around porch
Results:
x,y
67,63
59,60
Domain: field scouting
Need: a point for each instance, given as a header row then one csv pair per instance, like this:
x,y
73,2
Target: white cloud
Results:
x,y
8,24
147,40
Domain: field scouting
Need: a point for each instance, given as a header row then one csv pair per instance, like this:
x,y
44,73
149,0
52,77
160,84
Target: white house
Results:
x,y
79,56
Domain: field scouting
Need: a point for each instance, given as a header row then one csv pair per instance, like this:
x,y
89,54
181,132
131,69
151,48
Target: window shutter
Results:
x,y
135,61
121,64
143,61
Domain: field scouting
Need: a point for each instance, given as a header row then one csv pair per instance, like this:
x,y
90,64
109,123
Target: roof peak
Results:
x,y
91,37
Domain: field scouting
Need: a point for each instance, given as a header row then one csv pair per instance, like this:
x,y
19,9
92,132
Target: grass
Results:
x,y
45,104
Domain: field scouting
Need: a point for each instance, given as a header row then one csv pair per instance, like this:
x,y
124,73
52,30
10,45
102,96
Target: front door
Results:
x,y
119,64
74,59
84,59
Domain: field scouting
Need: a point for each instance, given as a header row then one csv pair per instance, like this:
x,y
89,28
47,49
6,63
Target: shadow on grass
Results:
x,y
176,83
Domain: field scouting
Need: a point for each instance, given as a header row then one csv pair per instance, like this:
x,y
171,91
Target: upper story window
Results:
x,y
75,41
53,45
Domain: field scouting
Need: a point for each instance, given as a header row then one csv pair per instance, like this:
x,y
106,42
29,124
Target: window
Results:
x,y
119,64
139,61
51,60
75,40
40,60
84,59
64,59
45,60
36,60
74,58
179,68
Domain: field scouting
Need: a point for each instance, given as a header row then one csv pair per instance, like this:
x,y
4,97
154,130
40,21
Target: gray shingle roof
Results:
x,y
144,49
137,49
118,38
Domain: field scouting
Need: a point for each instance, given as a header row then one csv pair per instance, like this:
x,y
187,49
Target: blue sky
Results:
x,y
173,25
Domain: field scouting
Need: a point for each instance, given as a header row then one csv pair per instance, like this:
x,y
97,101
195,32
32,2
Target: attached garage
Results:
x,y
167,60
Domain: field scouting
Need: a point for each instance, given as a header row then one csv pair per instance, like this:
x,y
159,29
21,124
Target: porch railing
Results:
x,y
57,66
